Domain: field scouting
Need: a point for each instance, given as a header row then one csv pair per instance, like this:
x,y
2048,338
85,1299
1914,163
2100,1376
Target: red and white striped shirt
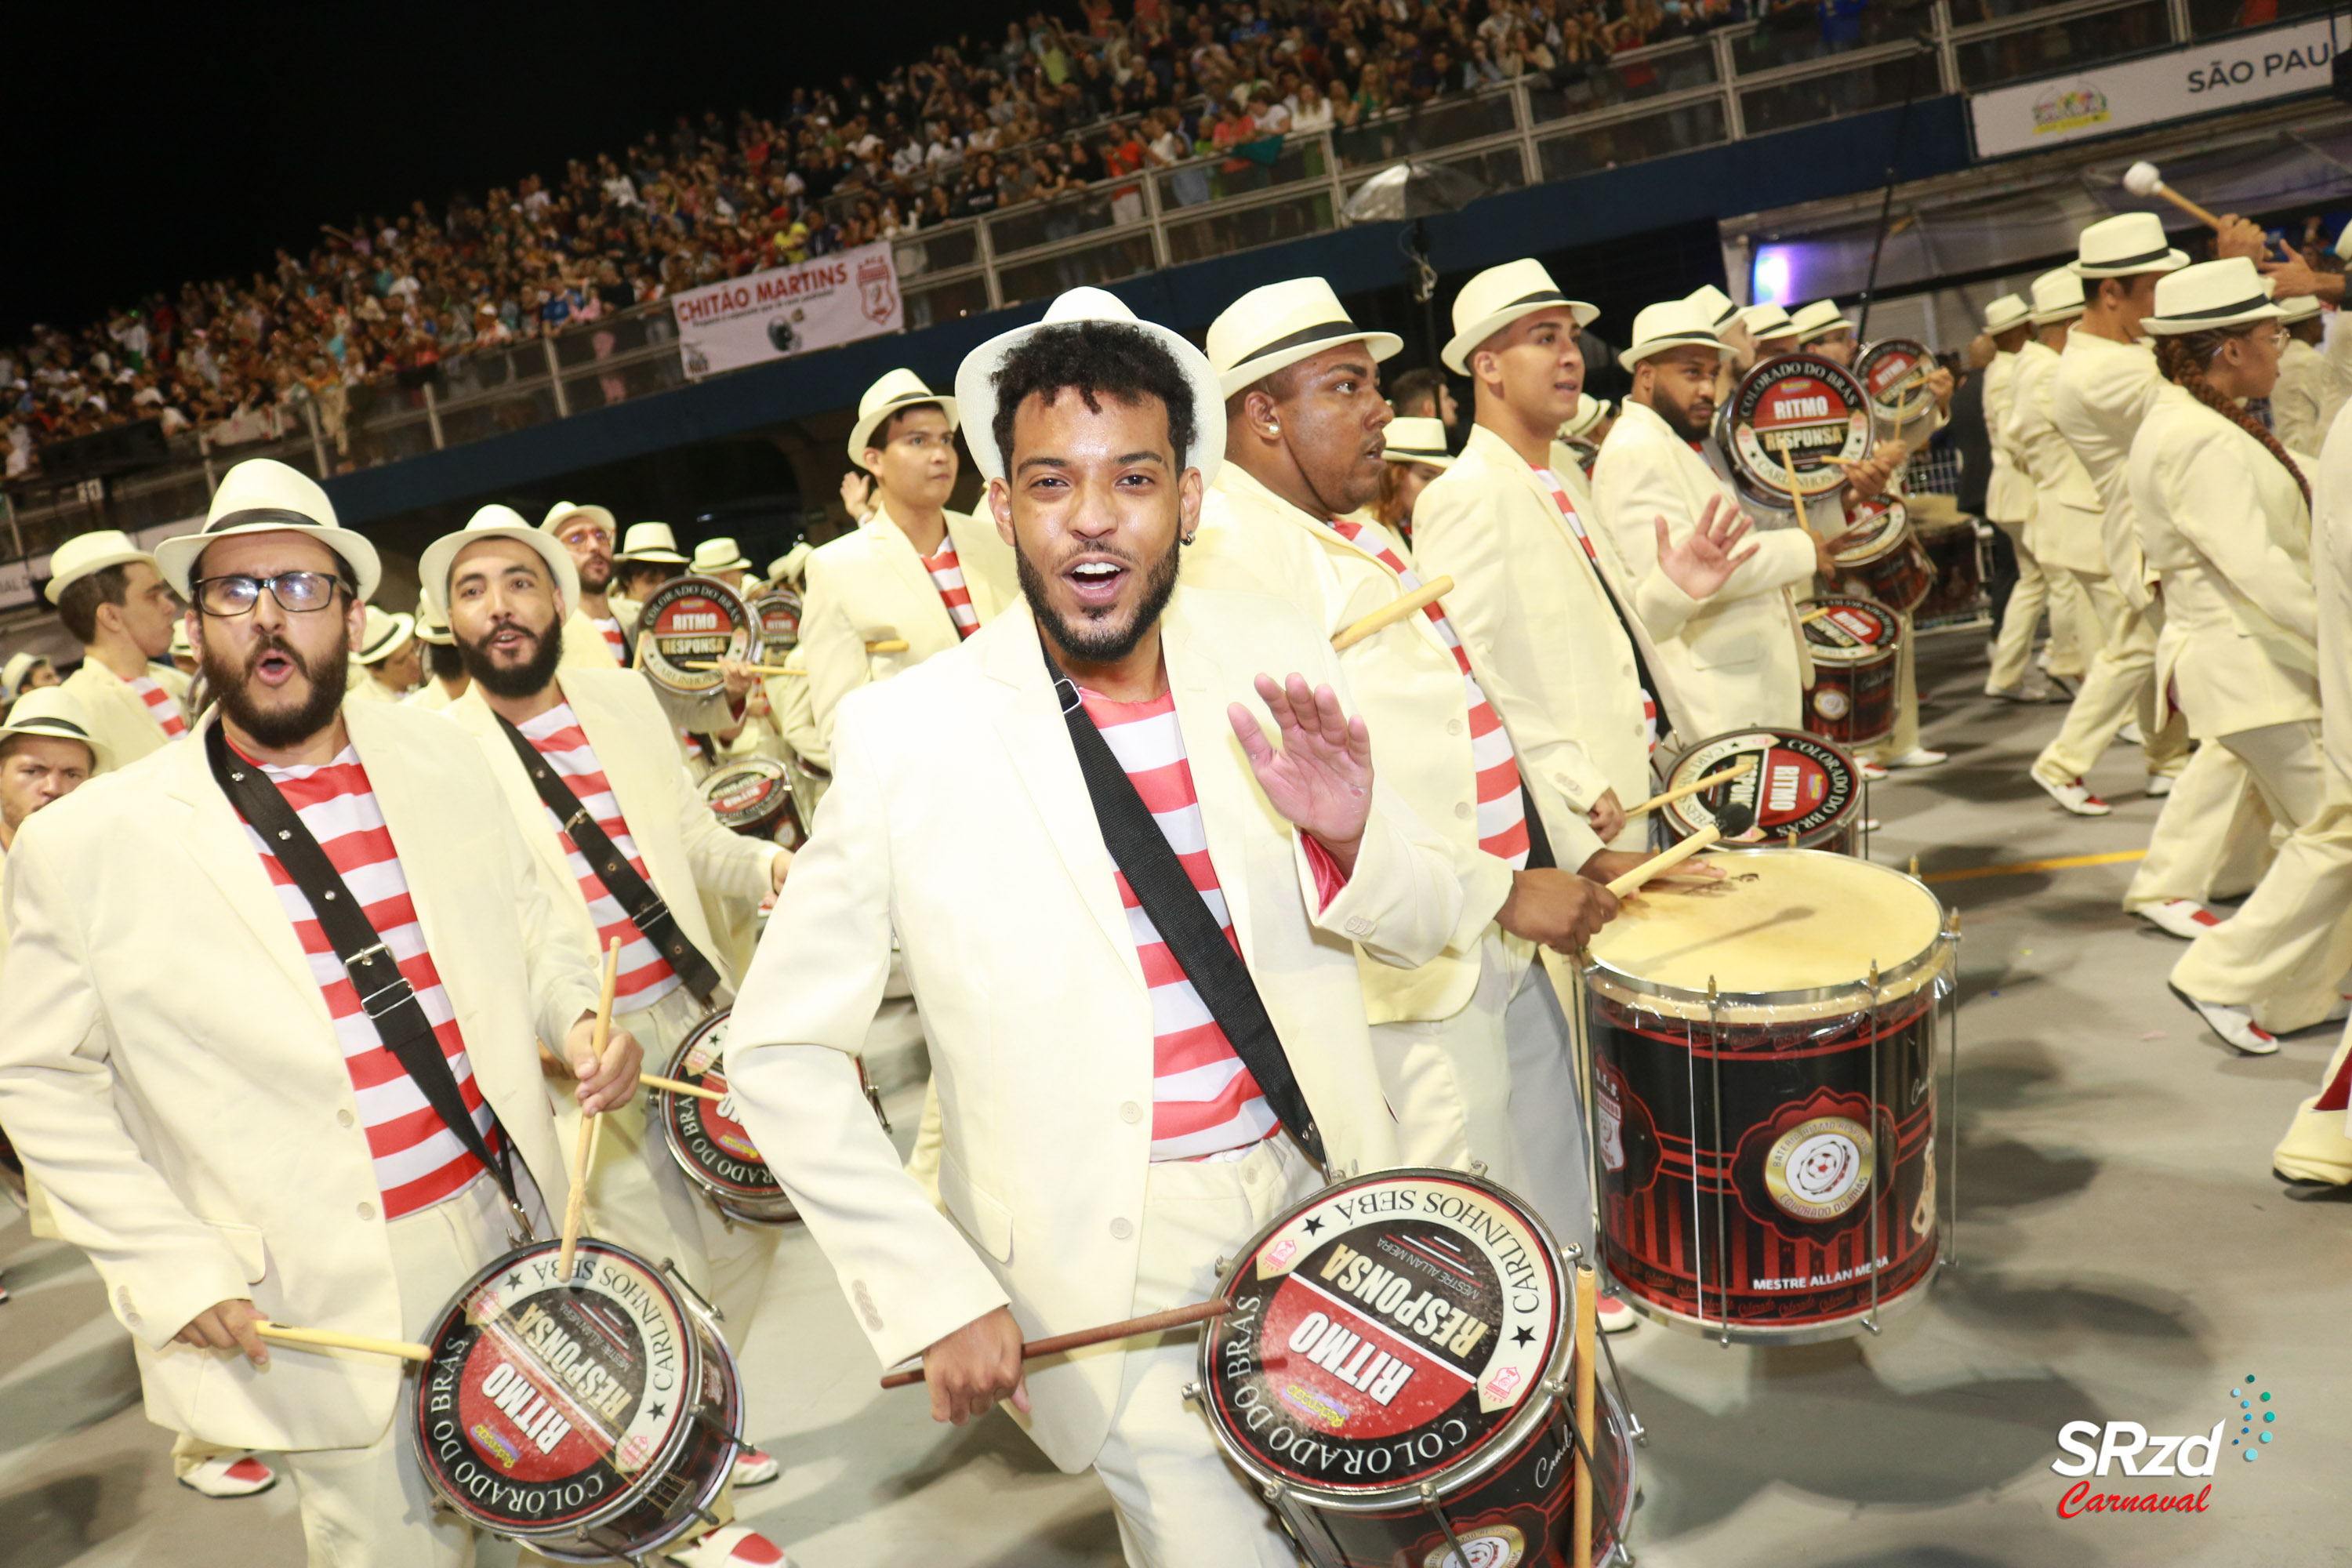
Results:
x,y
1576,526
162,706
645,975
418,1160
1502,809
1204,1101
614,642
947,576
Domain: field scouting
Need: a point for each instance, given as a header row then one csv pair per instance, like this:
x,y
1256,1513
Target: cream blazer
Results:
x,y
119,718
1414,700
2304,404
2009,493
2101,392
169,1070
2224,526
1740,659
684,846
2331,581
870,586
996,878
2070,520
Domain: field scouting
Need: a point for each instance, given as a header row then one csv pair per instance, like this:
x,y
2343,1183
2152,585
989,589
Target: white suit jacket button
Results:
x,y
344,1118
1130,1113
1463,809
367,1211
1358,926
1120,1229
1453,726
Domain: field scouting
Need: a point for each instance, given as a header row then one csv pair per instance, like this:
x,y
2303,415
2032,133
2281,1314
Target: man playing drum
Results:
x,y
1109,1136
222,1108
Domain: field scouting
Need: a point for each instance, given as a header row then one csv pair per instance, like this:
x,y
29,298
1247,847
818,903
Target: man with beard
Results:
x,y
234,1122
560,737
1740,659
1108,1137
1305,428
117,605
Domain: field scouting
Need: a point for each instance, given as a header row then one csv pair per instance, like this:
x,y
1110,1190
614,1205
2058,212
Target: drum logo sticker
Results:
x,y
1819,1169
1831,703
1492,1546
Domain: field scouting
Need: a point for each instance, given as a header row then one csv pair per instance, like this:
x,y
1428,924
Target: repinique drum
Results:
x,y
1806,790
1764,1099
1958,589
692,621
1855,644
1792,421
589,1421
753,796
1885,562
776,615
1894,373
1395,1375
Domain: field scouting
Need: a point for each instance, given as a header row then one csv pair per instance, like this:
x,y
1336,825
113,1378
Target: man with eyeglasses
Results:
x,y
251,1088
117,605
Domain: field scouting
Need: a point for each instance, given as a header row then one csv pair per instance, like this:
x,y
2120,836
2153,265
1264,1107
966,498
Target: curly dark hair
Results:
x,y
2184,357
1099,359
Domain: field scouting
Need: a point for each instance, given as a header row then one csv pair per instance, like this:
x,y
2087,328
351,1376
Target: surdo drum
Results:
x,y
1764,1099
1807,792
1394,1373
753,796
1786,421
1855,645
1885,562
590,1421
693,620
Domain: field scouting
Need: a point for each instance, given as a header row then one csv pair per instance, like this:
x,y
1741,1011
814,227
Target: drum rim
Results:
x,y
1850,657
1907,978
1881,412
734,1205
634,1493
1728,426
657,667
1471,1468
1887,544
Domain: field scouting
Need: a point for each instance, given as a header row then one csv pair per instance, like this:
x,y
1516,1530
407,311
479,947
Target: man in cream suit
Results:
x,y
118,608
1740,659
2024,356
913,572
1063,1071
213,1114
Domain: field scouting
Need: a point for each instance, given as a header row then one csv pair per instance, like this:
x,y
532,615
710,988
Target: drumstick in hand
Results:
x,y
1390,613
1150,1323
332,1339
1745,765
584,1150
675,1087
1732,818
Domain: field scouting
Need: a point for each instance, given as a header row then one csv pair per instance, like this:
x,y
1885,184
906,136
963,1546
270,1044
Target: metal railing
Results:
x,y
1719,87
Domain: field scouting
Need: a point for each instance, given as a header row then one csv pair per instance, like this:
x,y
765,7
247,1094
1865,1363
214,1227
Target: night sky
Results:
x,y
148,149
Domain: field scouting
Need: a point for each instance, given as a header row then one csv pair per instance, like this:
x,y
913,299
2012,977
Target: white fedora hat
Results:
x,y
563,511
2302,308
650,542
386,633
181,646
1721,309
261,495
1818,320
1590,412
1279,324
1417,440
1499,296
433,624
2057,296
897,389
13,673
85,553
2125,246
2225,294
53,712
440,557
1767,322
975,382
2009,311
718,556
1667,325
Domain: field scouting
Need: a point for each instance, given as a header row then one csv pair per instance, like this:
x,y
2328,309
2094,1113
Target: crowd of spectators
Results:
x,y
978,127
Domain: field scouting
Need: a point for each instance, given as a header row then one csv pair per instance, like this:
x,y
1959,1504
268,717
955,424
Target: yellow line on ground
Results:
x,y
2027,867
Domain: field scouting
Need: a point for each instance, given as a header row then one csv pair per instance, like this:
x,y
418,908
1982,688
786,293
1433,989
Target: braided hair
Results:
x,y
2184,358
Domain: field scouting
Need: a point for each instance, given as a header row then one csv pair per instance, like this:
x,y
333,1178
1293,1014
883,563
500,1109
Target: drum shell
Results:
x,y
740,1188
1957,588
1853,699
1892,568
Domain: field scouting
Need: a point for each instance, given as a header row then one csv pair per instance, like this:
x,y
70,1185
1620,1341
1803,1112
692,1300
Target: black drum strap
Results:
x,y
1181,918
389,1001
643,906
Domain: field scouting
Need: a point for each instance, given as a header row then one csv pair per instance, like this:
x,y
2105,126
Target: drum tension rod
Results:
x,y
1633,1427
669,1267
1437,1511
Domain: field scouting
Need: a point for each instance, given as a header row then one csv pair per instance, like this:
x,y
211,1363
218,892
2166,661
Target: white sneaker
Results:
x,y
1869,770
2236,1026
2074,796
1918,757
731,1546
228,1476
1615,1317
2184,918
755,1468
2158,786
2028,690
2130,735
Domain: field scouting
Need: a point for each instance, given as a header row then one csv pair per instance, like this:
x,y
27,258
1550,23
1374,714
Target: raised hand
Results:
x,y
1701,564
857,494
1321,781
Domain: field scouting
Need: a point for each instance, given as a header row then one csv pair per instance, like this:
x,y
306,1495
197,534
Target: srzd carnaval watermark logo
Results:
x,y
2094,1448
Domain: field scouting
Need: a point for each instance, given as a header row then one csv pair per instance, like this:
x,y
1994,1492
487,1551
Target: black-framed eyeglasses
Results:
x,y
295,592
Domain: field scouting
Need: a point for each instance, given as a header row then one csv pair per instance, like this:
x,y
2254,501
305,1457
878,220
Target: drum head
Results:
x,y
1395,1330
545,1407
1802,784
777,616
1894,373
1849,631
748,796
1879,524
1793,927
693,620
1797,412
707,1141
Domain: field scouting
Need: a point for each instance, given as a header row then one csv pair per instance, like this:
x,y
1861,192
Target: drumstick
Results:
x,y
754,668
1745,764
1796,496
888,645
585,1147
1815,614
1659,864
1587,1347
1393,611
1150,1323
341,1342
2142,180
675,1087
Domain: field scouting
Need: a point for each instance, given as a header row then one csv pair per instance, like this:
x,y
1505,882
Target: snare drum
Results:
x,y
1806,790
1894,373
1958,589
1887,563
1793,420
692,621
754,797
590,1421
1764,1099
776,616
1395,1376
1855,644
